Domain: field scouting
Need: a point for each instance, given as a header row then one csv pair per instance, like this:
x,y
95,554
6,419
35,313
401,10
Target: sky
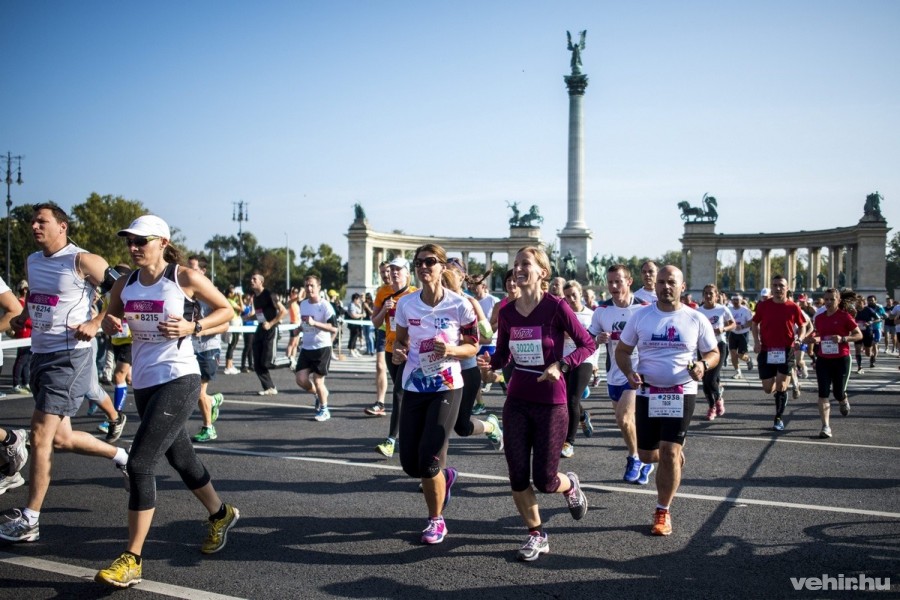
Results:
x,y
434,115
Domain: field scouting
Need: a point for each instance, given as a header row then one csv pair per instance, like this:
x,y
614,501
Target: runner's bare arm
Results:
x,y
11,308
92,268
201,288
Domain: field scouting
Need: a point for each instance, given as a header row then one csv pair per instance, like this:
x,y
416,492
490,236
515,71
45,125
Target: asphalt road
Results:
x,y
324,516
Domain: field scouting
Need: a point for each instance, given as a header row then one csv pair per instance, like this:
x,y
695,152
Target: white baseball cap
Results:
x,y
400,263
764,292
147,225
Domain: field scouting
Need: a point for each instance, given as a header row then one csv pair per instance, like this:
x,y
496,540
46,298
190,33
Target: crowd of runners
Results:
x,y
438,346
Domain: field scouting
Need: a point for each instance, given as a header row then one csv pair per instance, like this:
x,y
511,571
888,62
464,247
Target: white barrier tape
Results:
x,y
7,344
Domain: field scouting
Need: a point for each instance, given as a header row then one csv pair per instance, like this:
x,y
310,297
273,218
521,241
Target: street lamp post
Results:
x,y
240,215
9,181
287,261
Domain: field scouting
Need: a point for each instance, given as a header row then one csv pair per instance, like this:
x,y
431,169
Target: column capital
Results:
x,y
576,84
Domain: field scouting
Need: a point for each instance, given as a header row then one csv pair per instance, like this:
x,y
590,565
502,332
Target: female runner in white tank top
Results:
x,y
157,300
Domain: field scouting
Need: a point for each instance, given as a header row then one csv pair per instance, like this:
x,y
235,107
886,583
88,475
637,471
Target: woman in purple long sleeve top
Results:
x,y
535,415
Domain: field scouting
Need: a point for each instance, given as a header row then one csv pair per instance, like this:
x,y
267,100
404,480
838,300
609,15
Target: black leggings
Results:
x,y
396,373
247,352
576,380
232,344
711,379
833,374
425,430
164,410
471,379
21,374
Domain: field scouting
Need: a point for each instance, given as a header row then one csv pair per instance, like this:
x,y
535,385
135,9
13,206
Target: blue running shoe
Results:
x,y
586,393
779,425
632,470
586,426
646,469
450,475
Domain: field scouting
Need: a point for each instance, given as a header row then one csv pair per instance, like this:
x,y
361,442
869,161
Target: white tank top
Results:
x,y
58,300
154,358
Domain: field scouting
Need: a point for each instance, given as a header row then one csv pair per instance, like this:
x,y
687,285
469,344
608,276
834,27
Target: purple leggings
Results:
x,y
534,432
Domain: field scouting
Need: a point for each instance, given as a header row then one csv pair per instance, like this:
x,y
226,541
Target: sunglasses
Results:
x,y
426,262
140,242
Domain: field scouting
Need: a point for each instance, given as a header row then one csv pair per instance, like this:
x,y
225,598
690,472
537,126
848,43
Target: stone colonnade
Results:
x,y
368,248
856,256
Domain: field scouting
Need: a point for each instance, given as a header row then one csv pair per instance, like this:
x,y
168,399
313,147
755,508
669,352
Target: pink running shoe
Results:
x,y
711,414
435,532
720,407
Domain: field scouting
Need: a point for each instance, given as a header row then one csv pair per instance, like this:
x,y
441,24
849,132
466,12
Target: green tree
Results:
x,y
325,264
21,242
892,274
97,220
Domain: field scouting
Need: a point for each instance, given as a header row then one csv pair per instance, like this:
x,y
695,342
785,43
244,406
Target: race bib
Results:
x,y
260,316
666,402
776,357
525,345
40,308
144,317
830,347
429,361
569,346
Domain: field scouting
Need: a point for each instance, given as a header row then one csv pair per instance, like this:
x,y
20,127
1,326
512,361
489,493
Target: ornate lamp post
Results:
x,y
9,181
240,215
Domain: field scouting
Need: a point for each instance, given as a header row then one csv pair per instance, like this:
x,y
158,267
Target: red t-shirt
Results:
x,y
776,323
840,323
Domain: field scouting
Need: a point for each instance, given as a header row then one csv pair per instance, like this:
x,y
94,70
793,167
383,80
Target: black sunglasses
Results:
x,y
427,262
140,242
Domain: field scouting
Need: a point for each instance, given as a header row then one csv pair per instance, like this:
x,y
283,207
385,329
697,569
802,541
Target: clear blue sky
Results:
x,y
433,115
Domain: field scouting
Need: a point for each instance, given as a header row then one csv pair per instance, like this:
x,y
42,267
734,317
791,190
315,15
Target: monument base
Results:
x,y
578,242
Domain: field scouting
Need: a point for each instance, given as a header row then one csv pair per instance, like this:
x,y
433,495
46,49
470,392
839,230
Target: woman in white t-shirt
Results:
x,y
436,328
722,321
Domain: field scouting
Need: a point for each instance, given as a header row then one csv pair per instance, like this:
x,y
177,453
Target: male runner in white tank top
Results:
x,y
62,279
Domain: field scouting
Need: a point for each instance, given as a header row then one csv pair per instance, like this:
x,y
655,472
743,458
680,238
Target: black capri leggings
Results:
x,y
396,373
833,374
164,411
576,380
471,379
232,344
425,425
711,378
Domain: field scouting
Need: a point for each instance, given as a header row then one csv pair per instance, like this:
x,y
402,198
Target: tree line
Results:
x,y
95,222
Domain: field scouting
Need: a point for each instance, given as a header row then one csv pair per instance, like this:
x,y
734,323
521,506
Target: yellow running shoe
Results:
x,y
124,572
218,530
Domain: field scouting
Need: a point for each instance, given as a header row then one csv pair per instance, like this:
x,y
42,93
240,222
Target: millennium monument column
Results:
x,y
576,237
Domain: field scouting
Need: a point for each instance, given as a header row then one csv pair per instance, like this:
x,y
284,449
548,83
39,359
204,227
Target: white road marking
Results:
x,y
604,488
164,589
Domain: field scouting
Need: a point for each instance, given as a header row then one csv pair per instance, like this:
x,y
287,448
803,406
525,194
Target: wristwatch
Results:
x,y
197,327
563,366
705,365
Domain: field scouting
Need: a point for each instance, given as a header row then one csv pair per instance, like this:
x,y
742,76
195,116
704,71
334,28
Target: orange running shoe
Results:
x,y
662,522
